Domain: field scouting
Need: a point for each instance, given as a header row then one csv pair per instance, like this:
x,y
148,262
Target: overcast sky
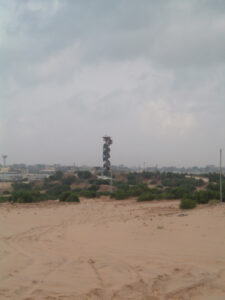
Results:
x,y
149,73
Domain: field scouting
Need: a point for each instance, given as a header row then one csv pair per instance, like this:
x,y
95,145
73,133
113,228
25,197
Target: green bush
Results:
x,y
24,196
148,175
93,187
77,190
57,176
99,181
204,196
6,193
180,191
132,178
105,193
213,177
120,195
69,197
146,196
47,184
87,194
121,185
68,180
17,186
201,197
176,180
55,191
84,174
4,199
200,182
137,190
167,196
64,196
186,203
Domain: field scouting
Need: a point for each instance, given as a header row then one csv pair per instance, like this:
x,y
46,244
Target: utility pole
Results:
x,y
111,181
4,160
221,192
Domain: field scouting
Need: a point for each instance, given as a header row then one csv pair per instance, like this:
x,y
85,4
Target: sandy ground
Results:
x,y
102,249
5,186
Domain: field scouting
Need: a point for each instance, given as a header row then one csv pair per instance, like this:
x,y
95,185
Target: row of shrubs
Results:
x,y
176,186
133,178
166,178
32,196
188,202
24,193
188,195
200,197
142,191
53,190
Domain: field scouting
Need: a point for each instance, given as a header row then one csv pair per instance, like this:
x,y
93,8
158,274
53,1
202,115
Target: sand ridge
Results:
x,y
104,249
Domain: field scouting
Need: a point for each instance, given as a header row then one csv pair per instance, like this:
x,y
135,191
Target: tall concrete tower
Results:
x,y
4,160
106,152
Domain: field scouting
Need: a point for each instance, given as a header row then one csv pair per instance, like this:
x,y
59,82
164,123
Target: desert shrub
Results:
x,y
204,196
158,196
102,181
108,173
99,181
6,193
56,190
77,190
105,193
120,194
121,185
87,194
155,191
93,187
47,183
4,199
57,176
148,175
84,174
180,191
213,202
68,180
137,190
17,186
132,178
176,180
146,196
213,177
64,195
69,196
24,196
213,186
186,203
200,182
154,181
165,196
201,197
92,181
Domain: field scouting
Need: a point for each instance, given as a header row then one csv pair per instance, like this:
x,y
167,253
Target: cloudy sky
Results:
x,y
151,74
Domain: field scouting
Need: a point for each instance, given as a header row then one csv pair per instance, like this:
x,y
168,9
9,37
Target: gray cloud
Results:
x,y
150,73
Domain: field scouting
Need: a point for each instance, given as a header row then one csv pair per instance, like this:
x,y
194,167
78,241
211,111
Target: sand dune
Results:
x,y
103,249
